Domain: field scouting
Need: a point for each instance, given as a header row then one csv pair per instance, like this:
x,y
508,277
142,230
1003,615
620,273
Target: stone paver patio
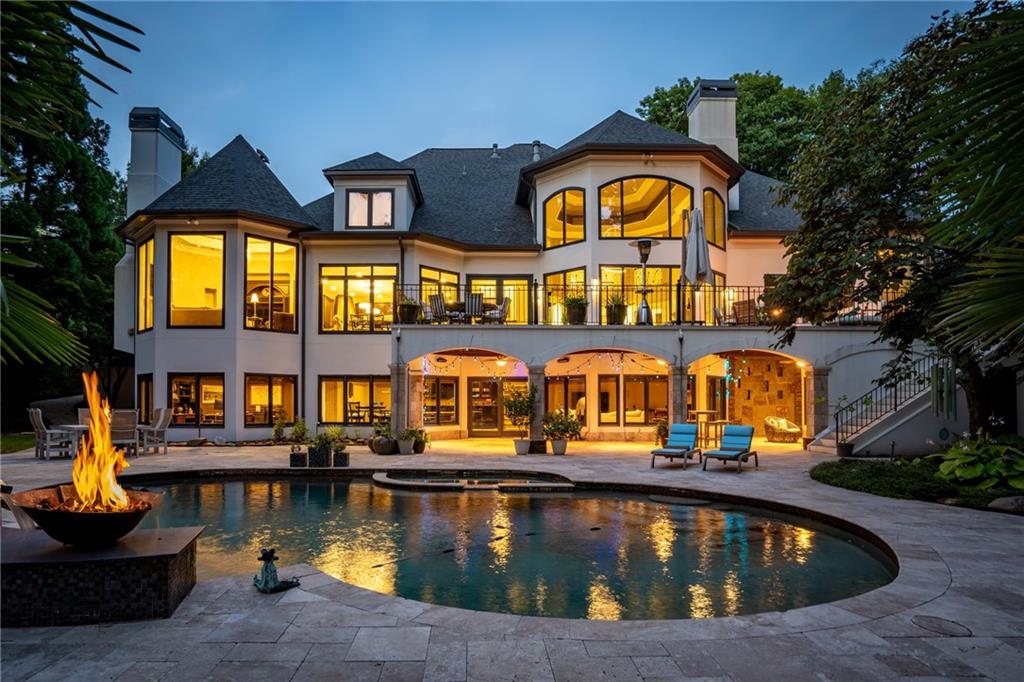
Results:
x,y
956,610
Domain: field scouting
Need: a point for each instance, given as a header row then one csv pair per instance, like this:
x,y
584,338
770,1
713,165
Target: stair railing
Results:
x,y
864,411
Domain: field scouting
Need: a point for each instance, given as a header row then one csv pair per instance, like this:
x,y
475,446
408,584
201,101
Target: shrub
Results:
x,y
278,432
984,462
336,434
660,430
561,426
299,430
382,429
576,299
321,441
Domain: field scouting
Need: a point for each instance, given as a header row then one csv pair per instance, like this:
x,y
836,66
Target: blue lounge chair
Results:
x,y
682,444
735,447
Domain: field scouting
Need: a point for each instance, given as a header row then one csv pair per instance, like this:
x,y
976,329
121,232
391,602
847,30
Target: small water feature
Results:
x,y
568,554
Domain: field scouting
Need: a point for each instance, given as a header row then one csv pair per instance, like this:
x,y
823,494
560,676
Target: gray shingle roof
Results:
x,y
322,211
234,179
758,212
470,197
371,162
622,128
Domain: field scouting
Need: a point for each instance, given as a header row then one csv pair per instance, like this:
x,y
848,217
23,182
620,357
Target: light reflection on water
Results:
x,y
576,555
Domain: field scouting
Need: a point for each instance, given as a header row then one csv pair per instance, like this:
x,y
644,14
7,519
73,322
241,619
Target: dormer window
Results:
x,y
370,208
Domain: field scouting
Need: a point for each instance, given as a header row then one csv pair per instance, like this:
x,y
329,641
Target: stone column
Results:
x,y
677,387
399,399
415,414
817,416
537,422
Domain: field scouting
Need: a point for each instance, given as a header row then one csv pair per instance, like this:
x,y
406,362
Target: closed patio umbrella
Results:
x,y
698,259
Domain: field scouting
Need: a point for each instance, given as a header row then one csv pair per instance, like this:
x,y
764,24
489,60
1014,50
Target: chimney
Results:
x,y
536,150
157,143
711,110
494,151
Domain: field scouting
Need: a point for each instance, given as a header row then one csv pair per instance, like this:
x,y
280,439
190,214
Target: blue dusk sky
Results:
x,y
315,84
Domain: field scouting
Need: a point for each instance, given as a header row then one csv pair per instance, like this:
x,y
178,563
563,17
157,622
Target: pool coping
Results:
x,y
922,574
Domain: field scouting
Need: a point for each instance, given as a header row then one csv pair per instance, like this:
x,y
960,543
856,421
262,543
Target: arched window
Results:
x,y
714,218
644,207
564,218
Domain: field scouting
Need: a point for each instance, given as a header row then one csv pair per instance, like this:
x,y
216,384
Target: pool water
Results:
x,y
575,555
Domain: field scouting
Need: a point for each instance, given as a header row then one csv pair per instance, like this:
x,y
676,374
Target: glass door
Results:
x,y
486,401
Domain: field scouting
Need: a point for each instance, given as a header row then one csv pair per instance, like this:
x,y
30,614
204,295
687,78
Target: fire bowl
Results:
x,y
83,529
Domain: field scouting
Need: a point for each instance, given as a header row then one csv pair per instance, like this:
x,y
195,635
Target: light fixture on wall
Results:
x,y
501,361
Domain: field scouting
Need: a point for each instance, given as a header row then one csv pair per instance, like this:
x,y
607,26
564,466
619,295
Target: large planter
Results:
x,y
558,446
576,313
405,447
319,457
408,313
340,458
844,449
385,445
419,446
522,446
298,460
616,314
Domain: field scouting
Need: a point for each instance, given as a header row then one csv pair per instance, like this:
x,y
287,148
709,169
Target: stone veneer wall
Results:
x,y
774,385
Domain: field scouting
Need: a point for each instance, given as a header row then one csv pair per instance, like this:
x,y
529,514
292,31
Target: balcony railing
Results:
x,y
596,305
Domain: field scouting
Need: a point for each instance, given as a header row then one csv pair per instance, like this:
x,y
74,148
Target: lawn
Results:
x,y
12,442
904,479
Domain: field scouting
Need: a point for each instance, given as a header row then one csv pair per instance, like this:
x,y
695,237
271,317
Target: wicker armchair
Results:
x,y
781,430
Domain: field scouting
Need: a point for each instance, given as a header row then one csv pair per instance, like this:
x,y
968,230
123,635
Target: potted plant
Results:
x,y
406,441
408,310
661,432
277,433
339,458
382,441
297,458
299,430
576,308
615,309
422,438
559,428
320,451
519,408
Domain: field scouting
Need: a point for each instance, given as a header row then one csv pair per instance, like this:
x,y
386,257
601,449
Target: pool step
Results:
x,y
453,484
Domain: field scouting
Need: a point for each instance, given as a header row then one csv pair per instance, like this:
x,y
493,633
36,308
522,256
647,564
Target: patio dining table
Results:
x,y
76,430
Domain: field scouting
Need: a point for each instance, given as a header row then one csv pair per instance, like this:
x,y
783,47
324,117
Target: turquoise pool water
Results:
x,y
577,555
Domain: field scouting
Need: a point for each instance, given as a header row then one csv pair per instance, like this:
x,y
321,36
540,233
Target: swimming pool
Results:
x,y
590,555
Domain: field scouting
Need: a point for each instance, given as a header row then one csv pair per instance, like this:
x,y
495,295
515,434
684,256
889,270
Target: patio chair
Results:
x,y
781,430
154,435
682,444
723,320
427,312
84,415
474,307
50,441
735,447
124,430
499,314
745,312
438,310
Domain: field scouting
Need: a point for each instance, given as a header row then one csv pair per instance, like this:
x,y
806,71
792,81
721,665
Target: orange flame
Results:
x,y
98,462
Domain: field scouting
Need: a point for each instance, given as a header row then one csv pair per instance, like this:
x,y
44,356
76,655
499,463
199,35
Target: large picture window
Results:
x,y
357,298
269,399
271,269
440,401
144,401
638,207
196,276
564,218
355,400
370,208
714,218
438,281
567,395
558,286
625,282
196,399
144,257
645,399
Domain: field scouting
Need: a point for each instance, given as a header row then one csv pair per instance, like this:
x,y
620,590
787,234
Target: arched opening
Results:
x,y
760,388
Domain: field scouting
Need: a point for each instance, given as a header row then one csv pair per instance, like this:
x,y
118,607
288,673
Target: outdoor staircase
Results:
x,y
868,418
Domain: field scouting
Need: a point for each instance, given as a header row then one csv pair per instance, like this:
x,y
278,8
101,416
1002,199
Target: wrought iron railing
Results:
x,y
600,304
855,416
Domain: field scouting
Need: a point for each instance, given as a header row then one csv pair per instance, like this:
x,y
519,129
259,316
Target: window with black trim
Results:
x,y
144,257
196,399
440,401
714,218
269,398
644,399
370,208
357,298
644,207
564,218
559,286
271,275
608,399
567,395
438,281
144,401
355,400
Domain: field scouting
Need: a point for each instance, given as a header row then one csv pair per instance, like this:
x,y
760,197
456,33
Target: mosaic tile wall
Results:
x,y
767,386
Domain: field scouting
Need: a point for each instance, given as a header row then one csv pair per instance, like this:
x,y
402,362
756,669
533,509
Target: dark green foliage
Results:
x,y
561,426
904,479
984,462
771,118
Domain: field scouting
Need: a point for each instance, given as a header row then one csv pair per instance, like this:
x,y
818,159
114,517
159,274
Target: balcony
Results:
x,y
597,305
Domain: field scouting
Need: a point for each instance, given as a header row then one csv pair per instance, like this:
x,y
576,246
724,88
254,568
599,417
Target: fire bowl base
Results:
x,y
145,575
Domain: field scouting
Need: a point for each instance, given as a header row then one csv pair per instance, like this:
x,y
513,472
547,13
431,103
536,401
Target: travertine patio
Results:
x,y
956,610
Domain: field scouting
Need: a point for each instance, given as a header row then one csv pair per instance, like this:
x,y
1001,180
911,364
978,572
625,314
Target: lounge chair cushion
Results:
x,y
674,452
